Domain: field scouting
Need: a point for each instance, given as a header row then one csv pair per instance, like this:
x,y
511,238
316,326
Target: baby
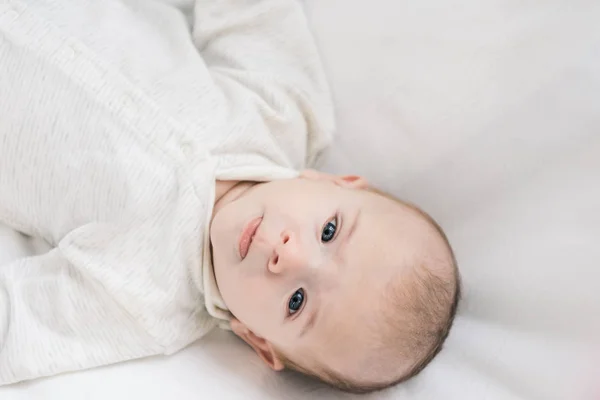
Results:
x,y
328,277
162,153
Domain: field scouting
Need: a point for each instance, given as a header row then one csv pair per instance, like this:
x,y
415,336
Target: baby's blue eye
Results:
x,y
296,301
329,230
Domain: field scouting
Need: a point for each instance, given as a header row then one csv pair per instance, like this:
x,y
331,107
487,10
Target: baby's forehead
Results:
x,y
384,244
349,336
389,226
390,240
381,205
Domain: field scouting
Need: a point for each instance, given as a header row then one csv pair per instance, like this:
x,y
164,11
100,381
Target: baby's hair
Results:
x,y
428,302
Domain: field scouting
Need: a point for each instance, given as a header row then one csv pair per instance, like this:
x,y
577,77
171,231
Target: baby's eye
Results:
x,y
296,301
329,230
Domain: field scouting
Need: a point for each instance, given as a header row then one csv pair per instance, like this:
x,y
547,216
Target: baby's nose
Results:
x,y
287,254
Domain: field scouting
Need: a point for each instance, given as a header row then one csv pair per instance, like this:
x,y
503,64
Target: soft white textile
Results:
x,y
488,114
116,121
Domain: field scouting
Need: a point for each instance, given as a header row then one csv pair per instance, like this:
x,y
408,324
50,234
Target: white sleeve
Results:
x,y
82,174
55,318
266,47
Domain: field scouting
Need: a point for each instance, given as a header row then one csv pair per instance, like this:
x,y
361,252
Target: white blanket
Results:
x,y
488,115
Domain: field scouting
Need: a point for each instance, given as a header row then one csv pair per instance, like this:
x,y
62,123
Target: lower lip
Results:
x,y
247,235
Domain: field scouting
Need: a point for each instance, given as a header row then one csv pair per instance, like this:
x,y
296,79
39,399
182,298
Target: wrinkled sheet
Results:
x,y
487,114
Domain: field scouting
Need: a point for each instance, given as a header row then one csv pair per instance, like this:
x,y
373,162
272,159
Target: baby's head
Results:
x,y
339,281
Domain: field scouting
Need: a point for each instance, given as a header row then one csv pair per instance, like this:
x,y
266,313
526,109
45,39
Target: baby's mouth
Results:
x,y
247,235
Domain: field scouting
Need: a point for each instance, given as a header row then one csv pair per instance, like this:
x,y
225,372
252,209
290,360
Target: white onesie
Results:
x,y
116,119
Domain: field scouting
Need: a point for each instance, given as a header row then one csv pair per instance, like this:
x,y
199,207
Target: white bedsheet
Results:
x,y
486,113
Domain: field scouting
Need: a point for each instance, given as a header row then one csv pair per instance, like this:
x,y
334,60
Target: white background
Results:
x,y
487,114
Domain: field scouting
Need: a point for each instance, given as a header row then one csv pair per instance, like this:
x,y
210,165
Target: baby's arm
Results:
x,y
60,179
265,47
77,306
56,318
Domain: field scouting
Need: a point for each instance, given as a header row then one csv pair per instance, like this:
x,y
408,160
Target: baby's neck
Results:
x,y
222,188
228,191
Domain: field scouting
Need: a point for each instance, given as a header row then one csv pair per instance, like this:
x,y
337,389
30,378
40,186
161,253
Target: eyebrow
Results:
x,y
310,322
354,225
341,249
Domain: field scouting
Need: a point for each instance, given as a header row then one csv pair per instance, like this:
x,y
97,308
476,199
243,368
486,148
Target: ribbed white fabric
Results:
x,y
116,118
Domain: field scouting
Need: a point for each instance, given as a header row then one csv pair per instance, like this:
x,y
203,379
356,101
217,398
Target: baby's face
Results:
x,y
301,263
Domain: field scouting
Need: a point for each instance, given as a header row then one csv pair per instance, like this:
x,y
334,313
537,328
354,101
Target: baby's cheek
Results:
x,y
253,300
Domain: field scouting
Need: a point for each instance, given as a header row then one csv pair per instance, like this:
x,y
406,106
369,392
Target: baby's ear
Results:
x,y
351,182
346,181
261,346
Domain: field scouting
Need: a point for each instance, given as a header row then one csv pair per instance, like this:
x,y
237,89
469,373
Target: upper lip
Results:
x,y
247,235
